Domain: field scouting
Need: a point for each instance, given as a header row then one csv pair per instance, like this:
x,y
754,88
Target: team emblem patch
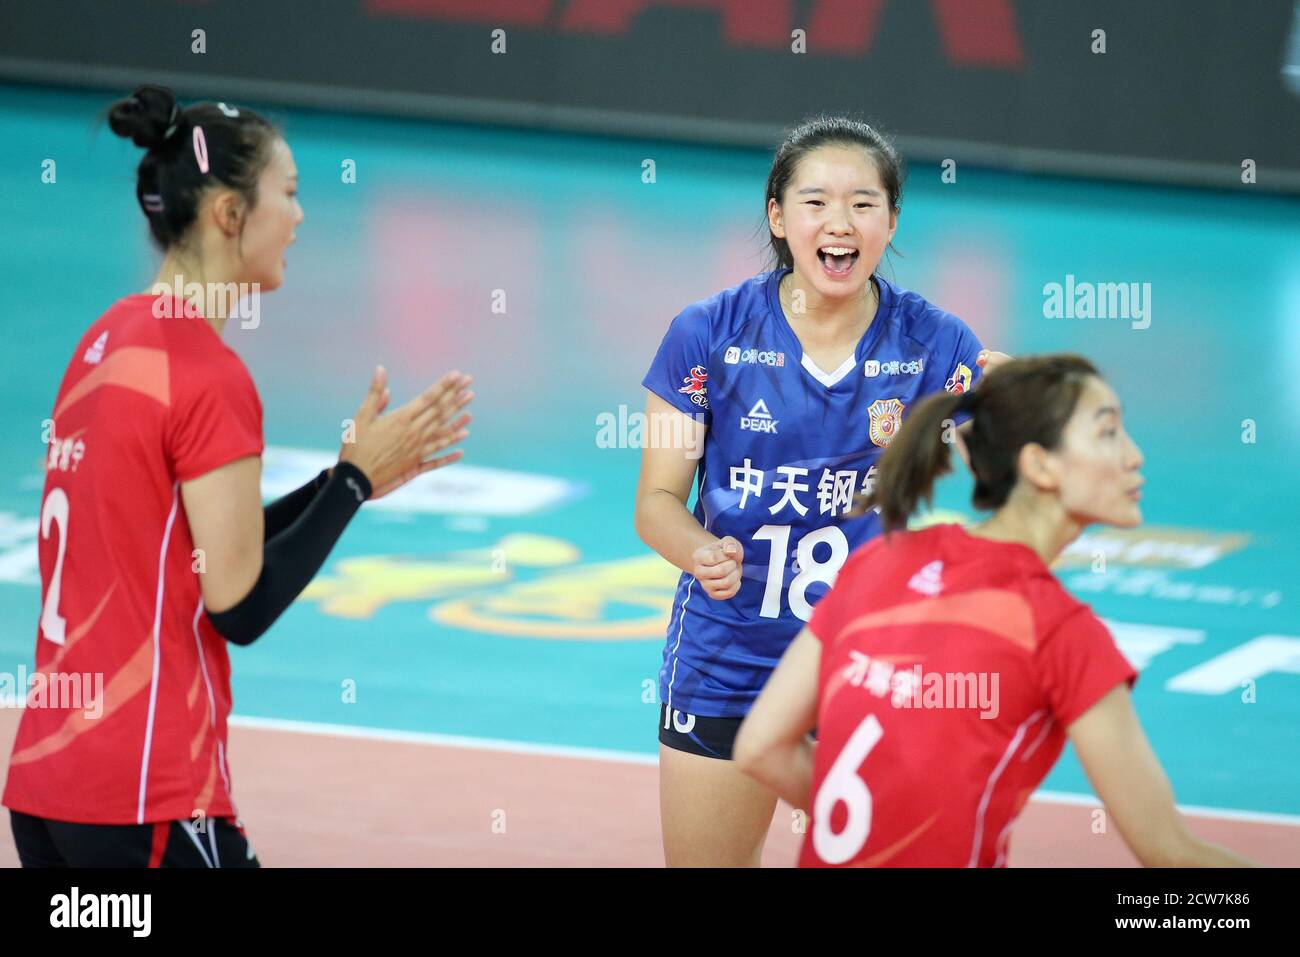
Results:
x,y
959,381
886,419
697,386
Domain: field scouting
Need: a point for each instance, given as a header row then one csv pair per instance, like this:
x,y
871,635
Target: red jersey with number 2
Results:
x,y
137,732
951,666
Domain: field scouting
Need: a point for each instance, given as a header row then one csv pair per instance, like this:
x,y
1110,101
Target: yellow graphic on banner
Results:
x,y
579,602
631,598
573,604
1148,546
364,585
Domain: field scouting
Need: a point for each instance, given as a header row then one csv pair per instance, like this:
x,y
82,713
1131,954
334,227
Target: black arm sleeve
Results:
x,y
281,513
292,559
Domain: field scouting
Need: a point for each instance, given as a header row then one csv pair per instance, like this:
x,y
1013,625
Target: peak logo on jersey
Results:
x,y
886,419
759,419
872,367
697,386
95,352
929,580
752,356
959,381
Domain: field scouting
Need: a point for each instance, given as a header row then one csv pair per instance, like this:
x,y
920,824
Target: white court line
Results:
x,y
442,740
633,757
1191,810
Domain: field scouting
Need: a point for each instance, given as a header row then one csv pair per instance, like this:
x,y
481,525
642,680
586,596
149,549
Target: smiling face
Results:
x,y
269,227
836,218
1095,469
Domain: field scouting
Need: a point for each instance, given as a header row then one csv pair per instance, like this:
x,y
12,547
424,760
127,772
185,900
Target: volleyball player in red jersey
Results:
x,y
946,667
155,548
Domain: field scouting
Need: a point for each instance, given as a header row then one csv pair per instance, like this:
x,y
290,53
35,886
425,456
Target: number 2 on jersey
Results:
x,y
810,570
55,511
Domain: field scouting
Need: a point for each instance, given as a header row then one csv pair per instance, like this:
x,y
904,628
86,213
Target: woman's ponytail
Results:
x,y
1023,401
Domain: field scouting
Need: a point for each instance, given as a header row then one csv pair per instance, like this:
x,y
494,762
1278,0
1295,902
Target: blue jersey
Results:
x,y
788,447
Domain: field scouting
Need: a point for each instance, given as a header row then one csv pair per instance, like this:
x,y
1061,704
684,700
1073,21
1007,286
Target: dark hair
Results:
x,y
825,130
235,143
1025,400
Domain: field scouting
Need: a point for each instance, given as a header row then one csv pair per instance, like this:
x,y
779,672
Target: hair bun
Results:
x,y
146,117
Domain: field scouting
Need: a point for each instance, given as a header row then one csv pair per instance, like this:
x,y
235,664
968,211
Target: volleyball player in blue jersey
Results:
x,y
792,383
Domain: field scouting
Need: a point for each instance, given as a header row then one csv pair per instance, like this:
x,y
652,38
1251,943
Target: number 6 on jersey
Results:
x,y
844,784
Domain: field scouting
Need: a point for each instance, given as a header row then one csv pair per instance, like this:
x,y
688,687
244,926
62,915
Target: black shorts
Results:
x,y
707,737
696,734
216,842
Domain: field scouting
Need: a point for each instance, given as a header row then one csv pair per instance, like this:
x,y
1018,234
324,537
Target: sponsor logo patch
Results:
x,y
697,386
762,357
874,367
759,419
959,381
929,580
886,419
95,351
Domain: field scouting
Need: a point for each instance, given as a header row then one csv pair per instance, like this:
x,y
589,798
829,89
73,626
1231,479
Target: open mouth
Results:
x,y
837,261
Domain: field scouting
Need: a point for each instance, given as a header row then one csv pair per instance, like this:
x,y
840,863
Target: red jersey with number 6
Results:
x,y
126,712
951,667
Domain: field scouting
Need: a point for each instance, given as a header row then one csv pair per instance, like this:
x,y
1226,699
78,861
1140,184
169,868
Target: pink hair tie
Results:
x,y
200,149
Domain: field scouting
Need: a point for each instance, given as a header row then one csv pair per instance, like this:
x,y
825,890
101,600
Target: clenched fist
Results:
x,y
718,567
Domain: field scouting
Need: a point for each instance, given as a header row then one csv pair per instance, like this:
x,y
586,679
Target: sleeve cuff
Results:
x,y
345,471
